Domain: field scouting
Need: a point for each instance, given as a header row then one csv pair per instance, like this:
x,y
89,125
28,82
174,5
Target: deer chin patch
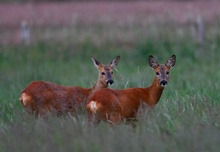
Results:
x,y
162,85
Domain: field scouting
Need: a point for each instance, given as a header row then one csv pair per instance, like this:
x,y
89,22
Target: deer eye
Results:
x,y
103,73
167,73
157,73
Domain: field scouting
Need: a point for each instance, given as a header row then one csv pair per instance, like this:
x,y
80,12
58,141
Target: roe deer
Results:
x,y
41,97
114,105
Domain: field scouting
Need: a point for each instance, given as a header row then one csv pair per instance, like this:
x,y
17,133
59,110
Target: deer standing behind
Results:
x,y
114,105
40,98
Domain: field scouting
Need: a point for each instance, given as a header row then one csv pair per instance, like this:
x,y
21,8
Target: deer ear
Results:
x,y
171,62
153,62
114,62
96,62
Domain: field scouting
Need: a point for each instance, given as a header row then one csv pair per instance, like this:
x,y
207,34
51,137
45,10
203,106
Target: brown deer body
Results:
x,y
41,97
115,105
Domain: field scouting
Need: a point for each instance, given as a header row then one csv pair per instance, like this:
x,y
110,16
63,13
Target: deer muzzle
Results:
x,y
110,82
163,83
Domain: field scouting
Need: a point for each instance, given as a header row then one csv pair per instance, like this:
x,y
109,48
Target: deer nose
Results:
x,y
110,82
163,82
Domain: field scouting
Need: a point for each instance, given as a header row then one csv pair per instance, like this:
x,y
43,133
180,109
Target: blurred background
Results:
x,y
71,21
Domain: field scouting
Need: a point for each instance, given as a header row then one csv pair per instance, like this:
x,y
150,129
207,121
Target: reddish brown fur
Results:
x,y
41,97
47,96
113,105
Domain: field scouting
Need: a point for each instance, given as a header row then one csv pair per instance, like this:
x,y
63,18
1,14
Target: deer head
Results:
x,y
162,70
106,71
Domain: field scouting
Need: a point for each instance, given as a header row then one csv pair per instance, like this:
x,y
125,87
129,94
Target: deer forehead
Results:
x,y
105,68
162,68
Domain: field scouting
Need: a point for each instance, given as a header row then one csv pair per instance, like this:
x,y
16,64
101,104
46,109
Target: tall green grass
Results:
x,y
185,119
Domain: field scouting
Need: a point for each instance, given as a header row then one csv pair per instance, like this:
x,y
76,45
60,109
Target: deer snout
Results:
x,y
163,83
110,82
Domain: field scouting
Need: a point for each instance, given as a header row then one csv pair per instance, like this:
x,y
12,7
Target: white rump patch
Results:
x,y
93,106
24,98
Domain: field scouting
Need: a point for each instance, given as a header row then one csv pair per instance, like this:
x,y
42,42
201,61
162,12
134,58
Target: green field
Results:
x,y
187,117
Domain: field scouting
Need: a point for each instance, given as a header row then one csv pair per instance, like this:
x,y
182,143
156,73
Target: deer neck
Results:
x,y
155,91
99,85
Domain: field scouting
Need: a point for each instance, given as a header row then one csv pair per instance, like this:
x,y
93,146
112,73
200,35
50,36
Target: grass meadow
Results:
x,y
187,117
